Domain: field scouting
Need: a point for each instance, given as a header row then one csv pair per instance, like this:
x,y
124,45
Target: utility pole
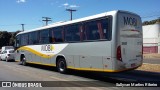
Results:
x,y
46,19
71,10
22,27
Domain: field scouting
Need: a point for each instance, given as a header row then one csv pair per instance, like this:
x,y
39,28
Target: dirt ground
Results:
x,y
153,55
150,67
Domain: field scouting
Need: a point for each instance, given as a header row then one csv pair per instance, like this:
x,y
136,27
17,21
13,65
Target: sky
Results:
x,y
13,13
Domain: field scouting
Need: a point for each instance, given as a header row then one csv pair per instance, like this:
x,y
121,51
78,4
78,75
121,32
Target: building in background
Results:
x,y
151,38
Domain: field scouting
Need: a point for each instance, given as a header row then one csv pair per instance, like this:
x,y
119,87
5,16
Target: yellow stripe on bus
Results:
x,y
41,63
38,63
35,52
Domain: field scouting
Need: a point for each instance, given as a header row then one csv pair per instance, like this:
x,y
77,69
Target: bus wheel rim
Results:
x,y
23,61
61,66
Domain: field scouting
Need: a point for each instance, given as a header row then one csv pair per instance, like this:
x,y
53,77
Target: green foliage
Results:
x,y
7,38
151,22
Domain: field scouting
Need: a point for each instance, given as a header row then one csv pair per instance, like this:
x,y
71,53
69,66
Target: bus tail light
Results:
x,y
119,56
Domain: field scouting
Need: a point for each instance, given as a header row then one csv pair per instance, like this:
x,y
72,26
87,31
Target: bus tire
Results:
x,y
61,65
23,61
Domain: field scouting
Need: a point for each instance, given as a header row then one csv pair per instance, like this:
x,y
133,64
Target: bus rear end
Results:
x,y
128,41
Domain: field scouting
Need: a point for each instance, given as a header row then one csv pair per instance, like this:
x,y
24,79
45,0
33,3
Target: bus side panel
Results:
x,y
34,57
17,55
70,60
114,41
91,62
27,55
86,57
71,55
22,52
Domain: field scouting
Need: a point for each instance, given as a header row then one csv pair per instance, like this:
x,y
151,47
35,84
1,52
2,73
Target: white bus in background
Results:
x,y
107,42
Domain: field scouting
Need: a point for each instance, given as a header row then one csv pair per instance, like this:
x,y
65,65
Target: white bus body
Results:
x,y
107,42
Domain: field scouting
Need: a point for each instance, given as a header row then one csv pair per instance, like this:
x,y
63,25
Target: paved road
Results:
x,y
151,60
11,71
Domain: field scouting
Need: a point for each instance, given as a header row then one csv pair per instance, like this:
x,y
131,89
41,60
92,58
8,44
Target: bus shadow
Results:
x,y
84,74
43,67
119,77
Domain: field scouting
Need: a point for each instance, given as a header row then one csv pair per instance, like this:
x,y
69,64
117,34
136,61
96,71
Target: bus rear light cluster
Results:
x,y
119,56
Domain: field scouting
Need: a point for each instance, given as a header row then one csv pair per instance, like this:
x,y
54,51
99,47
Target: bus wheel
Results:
x,y
23,61
61,65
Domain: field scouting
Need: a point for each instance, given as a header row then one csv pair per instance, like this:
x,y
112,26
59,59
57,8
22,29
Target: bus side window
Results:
x,y
58,37
105,27
18,41
24,39
81,32
101,32
91,31
44,36
51,36
33,38
72,33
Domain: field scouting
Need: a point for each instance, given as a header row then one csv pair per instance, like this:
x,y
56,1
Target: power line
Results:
x,y
46,19
71,10
22,27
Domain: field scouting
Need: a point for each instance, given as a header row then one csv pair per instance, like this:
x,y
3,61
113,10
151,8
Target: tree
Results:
x,y
7,38
4,38
12,39
151,22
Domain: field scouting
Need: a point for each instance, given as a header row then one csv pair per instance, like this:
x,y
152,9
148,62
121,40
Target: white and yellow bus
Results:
x,y
107,42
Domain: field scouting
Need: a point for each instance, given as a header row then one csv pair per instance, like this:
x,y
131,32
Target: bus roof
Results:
x,y
61,23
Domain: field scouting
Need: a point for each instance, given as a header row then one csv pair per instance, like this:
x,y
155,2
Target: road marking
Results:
x,y
59,79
